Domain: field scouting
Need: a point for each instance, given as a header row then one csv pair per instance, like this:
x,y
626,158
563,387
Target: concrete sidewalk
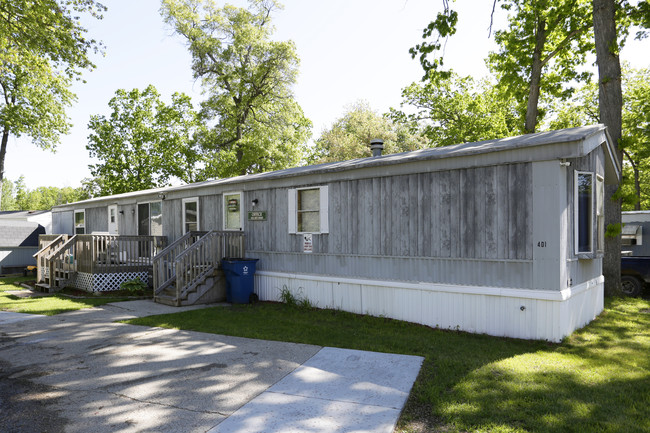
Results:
x,y
107,377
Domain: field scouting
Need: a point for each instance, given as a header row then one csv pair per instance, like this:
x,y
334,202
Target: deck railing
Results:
x,y
111,253
95,254
187,261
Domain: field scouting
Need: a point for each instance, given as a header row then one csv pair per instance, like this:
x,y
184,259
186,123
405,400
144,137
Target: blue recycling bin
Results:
x,y
240,282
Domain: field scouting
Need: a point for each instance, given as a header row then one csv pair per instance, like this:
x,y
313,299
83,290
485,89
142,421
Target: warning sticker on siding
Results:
x,y
307,245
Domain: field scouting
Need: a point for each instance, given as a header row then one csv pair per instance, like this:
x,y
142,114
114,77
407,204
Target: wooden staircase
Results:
x,y
188,271
53,271
211,289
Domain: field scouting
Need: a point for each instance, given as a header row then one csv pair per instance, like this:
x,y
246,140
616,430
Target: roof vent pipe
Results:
x,y
376,145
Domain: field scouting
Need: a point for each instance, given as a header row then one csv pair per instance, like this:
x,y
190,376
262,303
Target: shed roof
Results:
x,y
20,233
565,143
21,214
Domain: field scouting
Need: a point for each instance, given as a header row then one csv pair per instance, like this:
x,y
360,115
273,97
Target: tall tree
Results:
x,y
542,49
635,135
350,136
255,123
144,143
456,110
43,48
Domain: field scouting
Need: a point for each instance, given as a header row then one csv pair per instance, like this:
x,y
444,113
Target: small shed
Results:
x,y
19,231
503,237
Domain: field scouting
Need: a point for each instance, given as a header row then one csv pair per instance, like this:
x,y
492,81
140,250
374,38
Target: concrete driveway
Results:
x,y
90,374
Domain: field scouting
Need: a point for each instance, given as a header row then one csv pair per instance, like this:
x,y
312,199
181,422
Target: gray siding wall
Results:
x,y
97,219
378,226
63,222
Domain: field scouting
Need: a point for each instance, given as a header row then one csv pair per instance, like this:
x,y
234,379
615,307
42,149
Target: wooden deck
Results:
x,y
62,256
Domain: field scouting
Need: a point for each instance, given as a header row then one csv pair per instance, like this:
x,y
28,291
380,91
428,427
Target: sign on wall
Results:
x,y
307,244
257,215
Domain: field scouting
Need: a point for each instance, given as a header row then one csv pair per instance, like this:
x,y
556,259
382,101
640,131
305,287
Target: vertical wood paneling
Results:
x,y
336,223
444,212
413,205
432,224
386,220
454,212
364,206
491,228
376,216
425,215
503,212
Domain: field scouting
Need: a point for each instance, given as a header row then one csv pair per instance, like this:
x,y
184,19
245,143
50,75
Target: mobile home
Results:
x,y
503,237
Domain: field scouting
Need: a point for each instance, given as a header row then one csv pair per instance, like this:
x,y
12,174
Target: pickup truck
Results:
x,y
635,273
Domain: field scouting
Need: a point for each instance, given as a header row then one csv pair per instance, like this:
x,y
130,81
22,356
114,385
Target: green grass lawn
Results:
x,y
598,380
48,305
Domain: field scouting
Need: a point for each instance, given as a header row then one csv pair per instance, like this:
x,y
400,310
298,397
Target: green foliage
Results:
x,y
143,143
252,122
16,196
443,26
541,52
456,110
295,300
43,48
135,287
596,380
349,137
635,138
613,230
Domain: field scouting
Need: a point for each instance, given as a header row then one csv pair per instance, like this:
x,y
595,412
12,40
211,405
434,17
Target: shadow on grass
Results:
x,y
597,380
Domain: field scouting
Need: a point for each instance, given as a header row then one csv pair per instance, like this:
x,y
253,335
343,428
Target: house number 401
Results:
x,y
541,244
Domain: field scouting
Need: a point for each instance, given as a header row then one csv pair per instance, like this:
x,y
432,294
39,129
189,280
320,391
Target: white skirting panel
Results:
x,y
505,312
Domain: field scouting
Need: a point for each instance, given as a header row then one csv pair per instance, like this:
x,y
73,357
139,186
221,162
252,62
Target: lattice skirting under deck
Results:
x,y
105,282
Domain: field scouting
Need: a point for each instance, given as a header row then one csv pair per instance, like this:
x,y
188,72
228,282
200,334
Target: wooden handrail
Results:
x,y
187,267
42,254
164,265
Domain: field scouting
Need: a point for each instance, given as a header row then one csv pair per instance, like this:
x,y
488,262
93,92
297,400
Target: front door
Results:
x,y
112,219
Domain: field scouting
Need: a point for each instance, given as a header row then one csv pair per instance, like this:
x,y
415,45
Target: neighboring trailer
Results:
x,y
636,231
19,231
503,237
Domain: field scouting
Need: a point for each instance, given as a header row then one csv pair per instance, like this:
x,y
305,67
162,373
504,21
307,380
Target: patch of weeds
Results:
x,y
295,300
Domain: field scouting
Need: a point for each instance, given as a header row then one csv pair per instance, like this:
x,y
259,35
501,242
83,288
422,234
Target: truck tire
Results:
x,y
631,286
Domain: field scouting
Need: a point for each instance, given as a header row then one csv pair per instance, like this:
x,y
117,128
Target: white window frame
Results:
x,y
600,213
198,212
576,219
137,214
225,210
74,221
323,209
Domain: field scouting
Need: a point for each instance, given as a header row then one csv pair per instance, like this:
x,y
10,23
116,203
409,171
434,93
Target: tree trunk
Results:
x,y
637,188
610,102
535,78
3,152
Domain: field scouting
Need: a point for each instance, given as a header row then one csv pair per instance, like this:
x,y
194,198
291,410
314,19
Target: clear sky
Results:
x,y
349,50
